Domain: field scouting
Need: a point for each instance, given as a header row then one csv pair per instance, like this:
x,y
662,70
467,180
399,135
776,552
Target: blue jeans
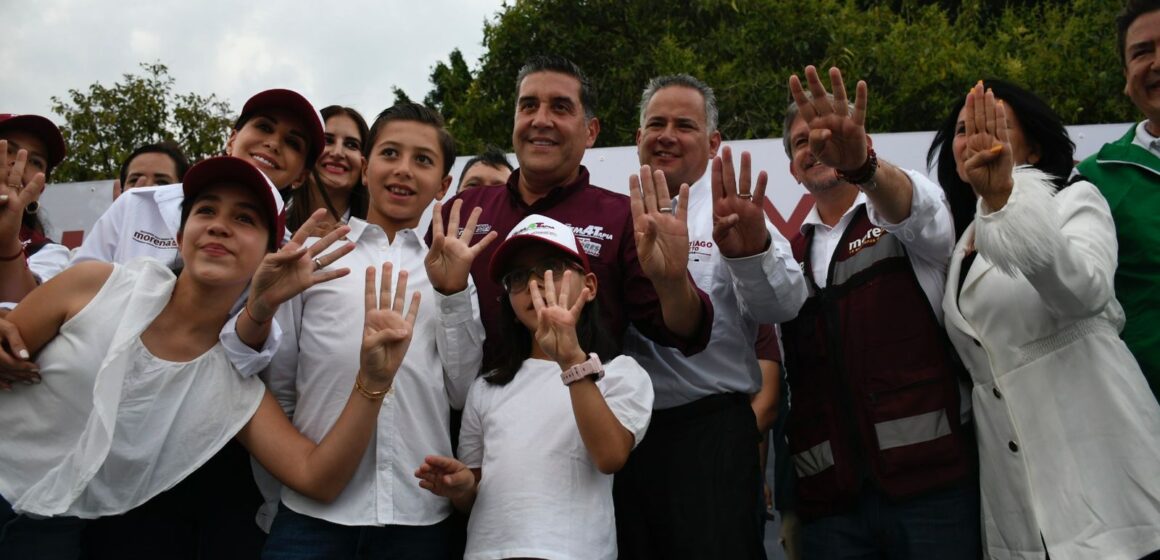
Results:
x,y
294,536
55,538
942,524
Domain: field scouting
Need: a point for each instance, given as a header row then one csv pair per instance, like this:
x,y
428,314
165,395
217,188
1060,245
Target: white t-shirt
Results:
x,y
111,426
540,495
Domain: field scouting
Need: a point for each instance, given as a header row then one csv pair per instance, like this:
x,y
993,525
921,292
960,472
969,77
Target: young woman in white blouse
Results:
x,y
543,434
136,391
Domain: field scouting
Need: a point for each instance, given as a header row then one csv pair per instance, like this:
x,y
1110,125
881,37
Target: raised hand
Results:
x,y
446,477
837,138
987,156
662,233
738,216
449,260
386,330
557,317
294,268
15,196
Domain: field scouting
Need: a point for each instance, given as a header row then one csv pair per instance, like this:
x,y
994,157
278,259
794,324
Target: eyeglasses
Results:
x,y
516,281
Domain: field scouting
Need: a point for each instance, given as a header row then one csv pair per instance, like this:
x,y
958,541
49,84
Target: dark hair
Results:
x,y
414,112
187,204
167,147
1133,9
555,63
682,80
1042,129
491,157
517,347
302,199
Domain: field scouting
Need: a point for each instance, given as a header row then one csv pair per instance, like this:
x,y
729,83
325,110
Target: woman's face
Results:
x,y
274,141
225,236
531,265
341,163
1023,151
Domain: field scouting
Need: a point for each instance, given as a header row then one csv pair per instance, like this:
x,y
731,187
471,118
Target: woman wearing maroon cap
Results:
x,y
136,392
30,147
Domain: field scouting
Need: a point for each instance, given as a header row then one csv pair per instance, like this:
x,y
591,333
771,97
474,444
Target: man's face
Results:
x,y
1142,64
551,131
481,174
149,169
675,137
804,167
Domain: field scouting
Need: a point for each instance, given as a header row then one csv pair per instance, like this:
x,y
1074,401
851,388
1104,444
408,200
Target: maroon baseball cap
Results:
x,y
536,230
237,171
40,127
296,105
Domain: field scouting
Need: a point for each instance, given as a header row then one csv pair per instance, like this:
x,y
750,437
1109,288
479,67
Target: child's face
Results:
x,y
532,265
275,142
225,236
404,173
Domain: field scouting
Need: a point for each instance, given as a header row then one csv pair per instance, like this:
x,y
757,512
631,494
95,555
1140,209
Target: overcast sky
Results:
x,y
347,52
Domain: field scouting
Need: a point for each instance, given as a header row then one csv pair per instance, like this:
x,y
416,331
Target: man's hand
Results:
x,y
662,234
738,216
449,260
837,138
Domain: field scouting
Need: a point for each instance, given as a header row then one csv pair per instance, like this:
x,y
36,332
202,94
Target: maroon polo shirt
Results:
x,y
602,221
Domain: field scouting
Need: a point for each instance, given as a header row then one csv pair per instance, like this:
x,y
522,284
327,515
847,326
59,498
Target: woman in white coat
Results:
x,y
1069,434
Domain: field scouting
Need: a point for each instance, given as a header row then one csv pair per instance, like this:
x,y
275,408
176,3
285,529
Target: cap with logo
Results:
x,y
532,230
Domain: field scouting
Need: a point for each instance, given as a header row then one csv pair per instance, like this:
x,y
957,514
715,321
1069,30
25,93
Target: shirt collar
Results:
x,y
360,228
1145,140
553,197
814,219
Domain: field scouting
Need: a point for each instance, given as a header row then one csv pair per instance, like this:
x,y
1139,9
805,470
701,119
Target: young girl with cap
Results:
x,y
543,433
136,392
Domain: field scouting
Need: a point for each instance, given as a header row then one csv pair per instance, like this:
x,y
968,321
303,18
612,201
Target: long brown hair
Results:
x,y
302,200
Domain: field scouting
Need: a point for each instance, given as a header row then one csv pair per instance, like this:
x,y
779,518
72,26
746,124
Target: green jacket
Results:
x,y
1129,178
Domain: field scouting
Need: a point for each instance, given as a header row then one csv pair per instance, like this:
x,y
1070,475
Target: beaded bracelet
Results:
x,y
372,395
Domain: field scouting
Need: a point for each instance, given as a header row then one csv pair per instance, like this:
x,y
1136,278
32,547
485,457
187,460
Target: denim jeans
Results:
x,y
294,536
942,524
55,538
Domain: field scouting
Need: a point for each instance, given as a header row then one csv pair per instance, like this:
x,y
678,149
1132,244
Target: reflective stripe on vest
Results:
x,y
814,460
912,429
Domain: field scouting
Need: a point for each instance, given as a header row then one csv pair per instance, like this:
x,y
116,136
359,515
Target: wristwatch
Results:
x,y
589,367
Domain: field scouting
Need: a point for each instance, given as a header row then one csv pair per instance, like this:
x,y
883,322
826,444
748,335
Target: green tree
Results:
x,y
917,56
103,125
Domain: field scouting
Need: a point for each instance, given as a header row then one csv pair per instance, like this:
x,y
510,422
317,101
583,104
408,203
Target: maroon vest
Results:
x,y
873,379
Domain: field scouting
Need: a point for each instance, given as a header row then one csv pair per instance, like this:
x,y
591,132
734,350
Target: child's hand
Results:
x,y
294,268
386,332
557,319
445,476
449,260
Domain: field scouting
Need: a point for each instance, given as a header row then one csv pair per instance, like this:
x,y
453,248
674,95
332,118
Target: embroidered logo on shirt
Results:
x,y
153,240
867,240
700,250
591,238
596,232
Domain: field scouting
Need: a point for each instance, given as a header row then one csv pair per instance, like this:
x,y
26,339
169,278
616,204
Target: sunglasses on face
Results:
x,y
516,281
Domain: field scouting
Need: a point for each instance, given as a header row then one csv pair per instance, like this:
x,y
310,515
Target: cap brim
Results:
x,y
510,247
45,130
293,102
235,171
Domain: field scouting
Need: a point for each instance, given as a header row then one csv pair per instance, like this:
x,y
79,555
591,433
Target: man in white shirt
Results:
x,y
409,156
692,488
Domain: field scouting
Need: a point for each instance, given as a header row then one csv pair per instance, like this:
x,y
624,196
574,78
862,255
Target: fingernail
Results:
x,y
3,198
23,354
996,148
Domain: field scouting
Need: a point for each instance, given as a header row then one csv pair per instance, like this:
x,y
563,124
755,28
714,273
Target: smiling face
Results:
x,y
225,236
275,142
675,137
551,131
806,168
340,165
1142,66
404,173
37,152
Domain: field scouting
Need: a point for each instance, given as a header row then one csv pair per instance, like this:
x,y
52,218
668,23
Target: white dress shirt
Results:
x,y
1145,140
765,288
314,369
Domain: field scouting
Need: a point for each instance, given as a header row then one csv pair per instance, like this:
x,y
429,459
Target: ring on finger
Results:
x,y
666,209
318,264
745,196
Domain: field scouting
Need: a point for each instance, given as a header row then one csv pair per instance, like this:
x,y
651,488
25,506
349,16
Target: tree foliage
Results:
x,y
917,57
105,124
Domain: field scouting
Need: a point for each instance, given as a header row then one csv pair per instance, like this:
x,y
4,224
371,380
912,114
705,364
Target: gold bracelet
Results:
x,y
372,395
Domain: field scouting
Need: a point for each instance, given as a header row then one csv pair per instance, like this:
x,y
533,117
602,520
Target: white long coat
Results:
x,y
1069,433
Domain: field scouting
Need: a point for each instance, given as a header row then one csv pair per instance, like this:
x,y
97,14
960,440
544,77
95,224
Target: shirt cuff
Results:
x,y
455,308
924,205
246,360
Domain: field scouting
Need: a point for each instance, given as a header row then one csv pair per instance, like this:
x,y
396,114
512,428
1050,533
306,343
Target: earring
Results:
x,y
32,208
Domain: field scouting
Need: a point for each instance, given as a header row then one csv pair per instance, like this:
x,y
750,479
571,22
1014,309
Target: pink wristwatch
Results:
x,y
591,366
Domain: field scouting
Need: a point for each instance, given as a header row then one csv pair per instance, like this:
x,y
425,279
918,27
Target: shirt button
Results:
x,y
995,390
1014,447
